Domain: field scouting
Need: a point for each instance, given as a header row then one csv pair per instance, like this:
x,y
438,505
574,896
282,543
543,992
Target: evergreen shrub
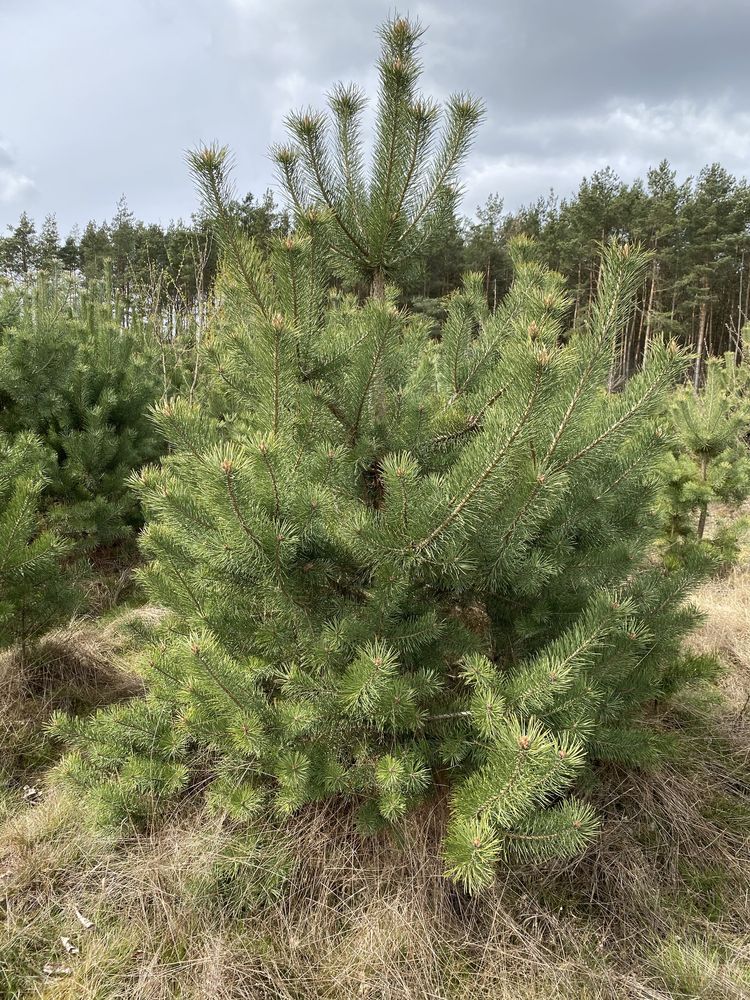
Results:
x,y
398,567
74,377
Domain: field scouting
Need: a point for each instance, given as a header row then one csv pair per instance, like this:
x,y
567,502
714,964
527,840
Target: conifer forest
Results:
x,y
374,582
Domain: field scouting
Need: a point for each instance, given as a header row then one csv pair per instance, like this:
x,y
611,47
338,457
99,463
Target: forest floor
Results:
x,y
658,908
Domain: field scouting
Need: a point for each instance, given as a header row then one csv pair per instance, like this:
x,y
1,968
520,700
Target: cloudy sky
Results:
x,y
101,98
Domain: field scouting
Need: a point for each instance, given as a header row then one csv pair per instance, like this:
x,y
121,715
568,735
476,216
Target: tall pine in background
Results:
x,y
398,567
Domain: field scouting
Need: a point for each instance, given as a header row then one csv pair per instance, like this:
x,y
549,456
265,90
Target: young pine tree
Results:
x,y
397,567
83,385
35,592
708,465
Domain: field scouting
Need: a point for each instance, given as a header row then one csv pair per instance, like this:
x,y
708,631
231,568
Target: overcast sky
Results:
x,y
100,98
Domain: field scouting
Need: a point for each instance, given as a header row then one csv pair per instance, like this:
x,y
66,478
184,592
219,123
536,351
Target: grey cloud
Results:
x,y
108,96
14,184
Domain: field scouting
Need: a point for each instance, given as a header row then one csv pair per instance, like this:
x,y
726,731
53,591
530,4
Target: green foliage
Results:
x,y
75,378
34,591
20,251
709,464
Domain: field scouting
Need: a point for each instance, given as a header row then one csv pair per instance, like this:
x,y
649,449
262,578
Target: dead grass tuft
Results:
x,y
661,900
726,631
77,667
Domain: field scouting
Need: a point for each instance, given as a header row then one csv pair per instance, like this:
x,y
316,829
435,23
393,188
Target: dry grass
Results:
x,y
726,631
663,898
658,909
76,667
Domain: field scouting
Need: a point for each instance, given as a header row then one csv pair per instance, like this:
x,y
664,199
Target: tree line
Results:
x,y
696,289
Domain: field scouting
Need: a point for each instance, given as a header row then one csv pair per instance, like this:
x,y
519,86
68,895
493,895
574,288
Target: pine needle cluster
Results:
x,y
34,592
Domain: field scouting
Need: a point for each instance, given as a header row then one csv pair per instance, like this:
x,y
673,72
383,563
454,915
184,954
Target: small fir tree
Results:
x,y
397,567
83,385
35,591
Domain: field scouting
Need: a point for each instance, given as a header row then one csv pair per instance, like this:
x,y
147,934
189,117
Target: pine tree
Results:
x,y
398,567
709,464
35,593
83,385
69,253
94,250
20,249
484,248
49,245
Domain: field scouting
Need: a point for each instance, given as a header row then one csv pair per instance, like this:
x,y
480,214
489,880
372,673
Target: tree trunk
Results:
x,y
650,310
701,339
740,313
377,289
578,295
704,506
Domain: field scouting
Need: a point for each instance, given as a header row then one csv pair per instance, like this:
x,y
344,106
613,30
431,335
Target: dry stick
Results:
x,y
649,311
702,315
704,506
448,715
